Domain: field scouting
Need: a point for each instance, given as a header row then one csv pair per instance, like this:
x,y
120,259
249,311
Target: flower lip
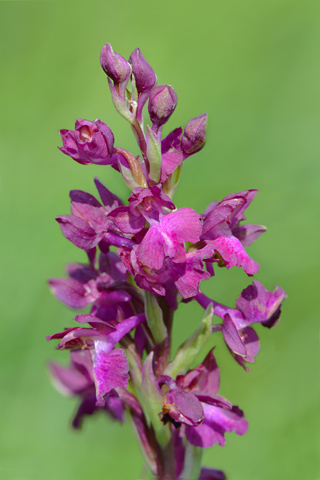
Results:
x,y
85,133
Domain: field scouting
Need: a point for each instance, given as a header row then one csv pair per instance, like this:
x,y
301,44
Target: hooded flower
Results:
x,y
172,277
77,380
90,142
221,230
181,144
193,401
254,305
166,238
106,288
89,225
145,205
110,365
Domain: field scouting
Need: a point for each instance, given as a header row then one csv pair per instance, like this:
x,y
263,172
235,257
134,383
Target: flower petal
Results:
x,y
110,370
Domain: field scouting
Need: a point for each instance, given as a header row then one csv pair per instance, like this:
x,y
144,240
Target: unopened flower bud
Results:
x,y
144,75
194,136
114,65
162,103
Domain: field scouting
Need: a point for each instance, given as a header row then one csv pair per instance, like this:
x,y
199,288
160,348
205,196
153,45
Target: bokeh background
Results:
x,y
253,65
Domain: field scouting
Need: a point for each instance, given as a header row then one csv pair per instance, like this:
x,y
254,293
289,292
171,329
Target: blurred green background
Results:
x,y
253,65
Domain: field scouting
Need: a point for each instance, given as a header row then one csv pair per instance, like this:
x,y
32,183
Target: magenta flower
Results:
x,y
87,285
179,145
193,401
254,305
166,238
76,380
110,365
144,205
221,225
90,142
89,225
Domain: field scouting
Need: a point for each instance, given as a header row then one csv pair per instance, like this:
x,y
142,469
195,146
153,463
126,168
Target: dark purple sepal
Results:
x,y
232,337
260,305
108,198
248,233
113,407
251,341
71,292
243,344
111,264
77,380
81,272
78,231
80,197
68,380
211,474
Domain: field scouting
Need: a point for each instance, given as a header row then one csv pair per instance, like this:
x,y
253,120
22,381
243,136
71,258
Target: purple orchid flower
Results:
x,y
179,145
77,380
107,288
172,277
193,401
221,225
90,142
254,305
166,238
89,225
110,365
144,205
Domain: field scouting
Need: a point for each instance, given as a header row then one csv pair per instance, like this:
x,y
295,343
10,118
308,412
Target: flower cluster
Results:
x,y
143,259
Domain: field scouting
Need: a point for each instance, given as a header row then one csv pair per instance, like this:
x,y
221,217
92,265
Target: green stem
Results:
x,y
192,462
